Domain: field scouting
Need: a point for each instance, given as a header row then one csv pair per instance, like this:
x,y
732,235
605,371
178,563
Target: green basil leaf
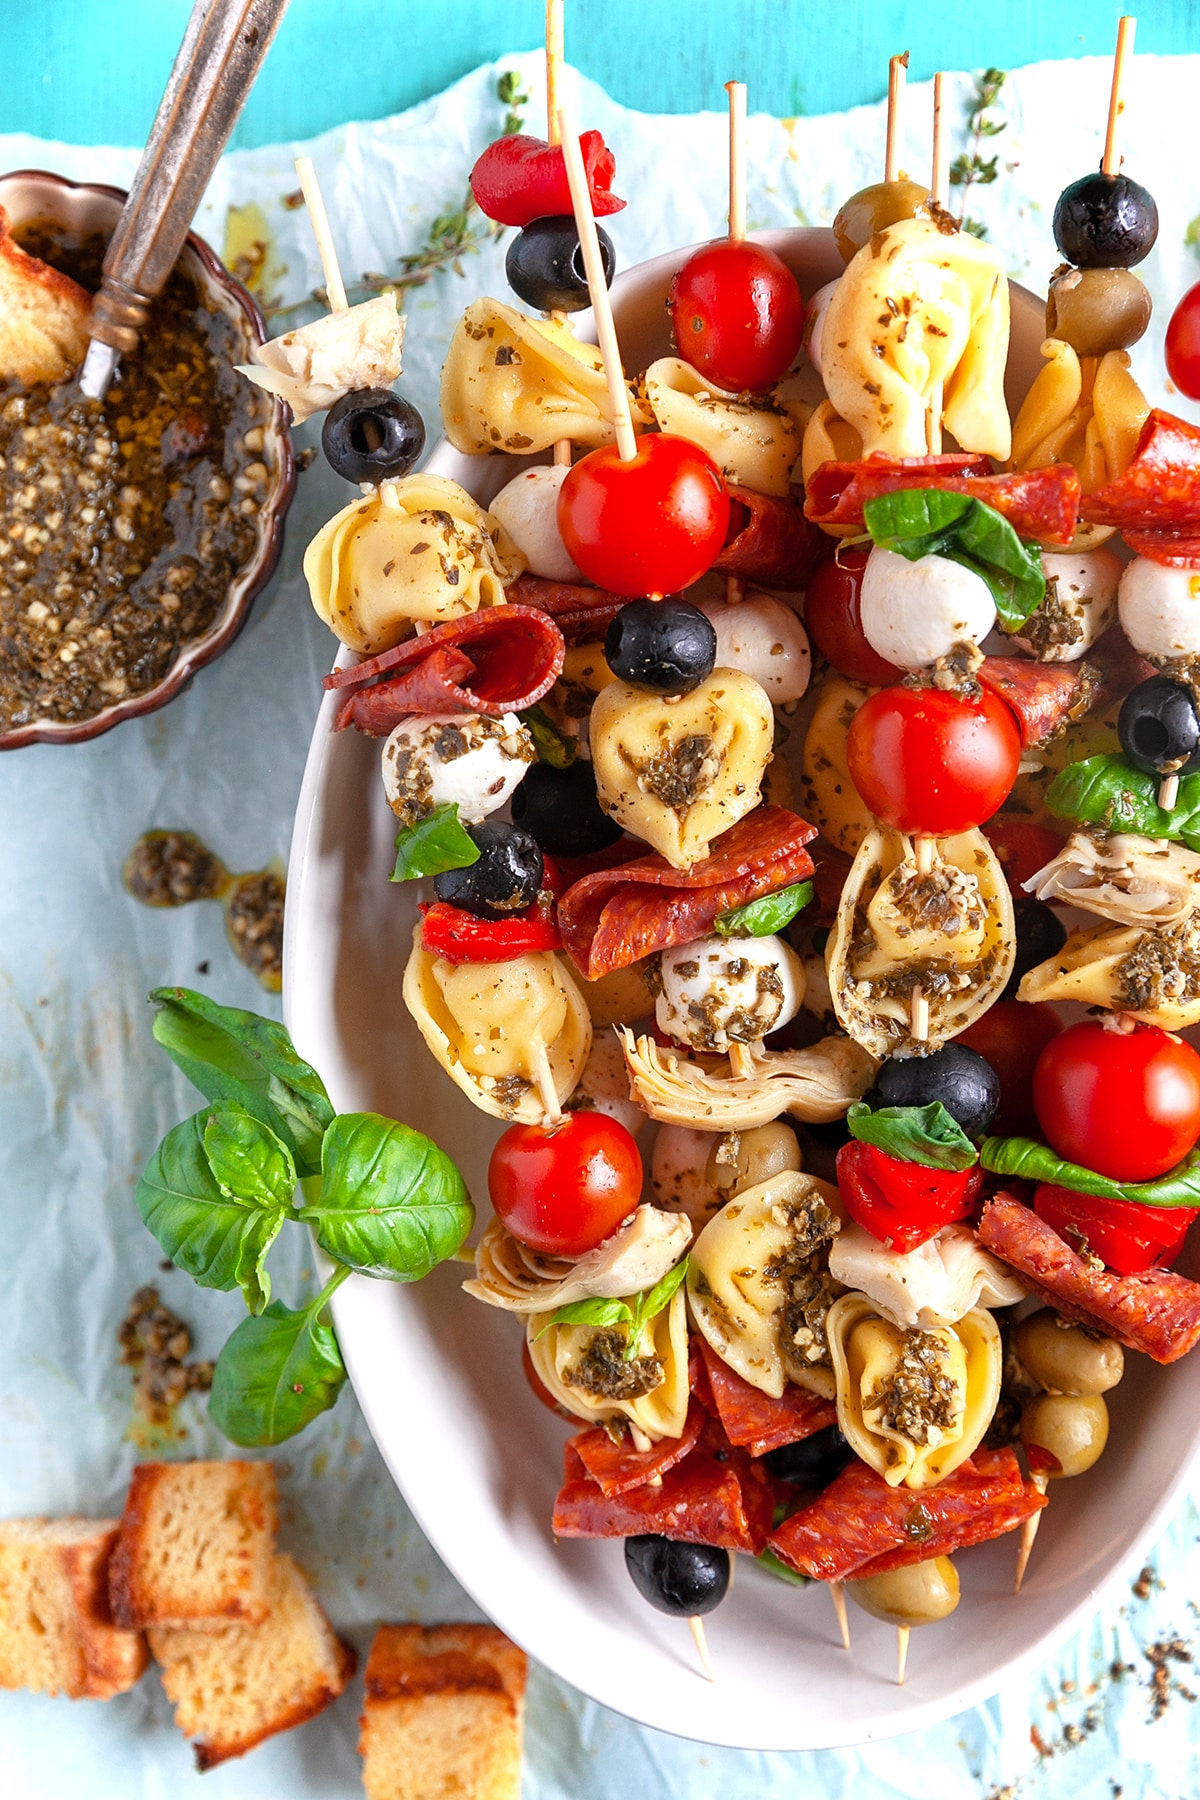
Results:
x,y
218,1239
552,745
597,1312
391,1203
767,1559
919,1134
917,522
248,1160
239,1057
1031,1161
651,1303
766,915
434,844
274,1375
1109,792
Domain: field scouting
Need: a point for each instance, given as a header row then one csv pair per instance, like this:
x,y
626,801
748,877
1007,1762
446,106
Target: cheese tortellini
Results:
x,y
1152,973
828,796
754,443
586,1370
912,1403
1087,411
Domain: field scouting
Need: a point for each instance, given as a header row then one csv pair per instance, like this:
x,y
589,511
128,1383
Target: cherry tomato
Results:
x,y
563,1192
927,761
652,525
832,618
1182,348
1021,849
1126,1104
1125,1236
737,315
1012,1035
901,1203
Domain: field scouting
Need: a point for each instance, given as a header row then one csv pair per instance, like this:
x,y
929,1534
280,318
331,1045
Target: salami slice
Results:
x,y
1038,503
1161,487
616,1468
496,661
1044,696
860,1524
1178,548
701,1501
616,916
753,1419
582,614
770,540
1155,1311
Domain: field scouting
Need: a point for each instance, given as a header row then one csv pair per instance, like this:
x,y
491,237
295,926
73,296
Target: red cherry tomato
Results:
x,y
563,1192
1012,1035
1021,849
831,614
1125,1236
1182,349
519,179
1126,1104
903,1204
652,525
737,314
927,761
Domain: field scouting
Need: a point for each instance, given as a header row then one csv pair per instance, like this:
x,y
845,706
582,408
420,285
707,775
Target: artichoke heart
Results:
x,y
511,1275
912,1403
1151,974
587,1371
1118,876
753,441
818,1083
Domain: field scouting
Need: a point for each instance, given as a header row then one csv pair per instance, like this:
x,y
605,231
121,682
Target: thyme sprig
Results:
x,y
971,168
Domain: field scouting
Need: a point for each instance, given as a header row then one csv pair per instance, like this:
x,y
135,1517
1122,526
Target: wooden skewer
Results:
x,y
696,1627
546,1085
554,65
924,849
737,159
1126,28
939,191
741,1062
1028,1532
1168,792
838,1596
606,331
897,70
903,1633
335,287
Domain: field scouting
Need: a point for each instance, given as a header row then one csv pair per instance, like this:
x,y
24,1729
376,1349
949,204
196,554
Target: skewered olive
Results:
x,y
873,209
1066,1357
560,809
545,268
965,1083
1040,933
918,1594
1159,728
685,1580
372,435
1072,1427
812,1463
666,645
1105,222
504,881
741,1159
1097,310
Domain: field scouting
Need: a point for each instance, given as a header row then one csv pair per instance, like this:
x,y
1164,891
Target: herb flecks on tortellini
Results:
x,y
586,1370
754,443
912,1403
1152,973
678,774
416,548
827,794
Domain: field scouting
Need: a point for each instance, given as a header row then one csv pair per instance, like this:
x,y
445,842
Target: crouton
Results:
x,y
443,1714
43,316
57,1635
196,1545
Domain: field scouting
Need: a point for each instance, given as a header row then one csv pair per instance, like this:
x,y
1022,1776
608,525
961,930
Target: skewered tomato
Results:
x,y
651,525
737,315
1182,347
834,621
931,762
1126,1236
1124,1103
564,1191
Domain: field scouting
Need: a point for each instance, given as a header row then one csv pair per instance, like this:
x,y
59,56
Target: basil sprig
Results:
x,y
766,915
636,1311
918,522
1031,1161
920,1134
382,1198
434,844
552,745
1108,791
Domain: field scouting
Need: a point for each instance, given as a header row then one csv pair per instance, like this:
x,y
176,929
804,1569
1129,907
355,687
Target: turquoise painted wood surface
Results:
x,y
92,71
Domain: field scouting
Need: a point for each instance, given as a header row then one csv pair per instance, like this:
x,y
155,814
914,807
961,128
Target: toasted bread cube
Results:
x,y
443,1715
196,1546
43,316
56,1631
233,1687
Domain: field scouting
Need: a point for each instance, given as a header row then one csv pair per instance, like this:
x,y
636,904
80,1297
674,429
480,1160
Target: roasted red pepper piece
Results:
x,y
519,179
904,1203
1126,1236
460,937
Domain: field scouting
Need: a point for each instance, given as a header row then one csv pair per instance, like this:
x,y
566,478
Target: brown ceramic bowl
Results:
x,y
85,207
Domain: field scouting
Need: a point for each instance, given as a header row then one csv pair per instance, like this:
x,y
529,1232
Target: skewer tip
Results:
x,y
696,1627
1029,1532
838,1596
903,1633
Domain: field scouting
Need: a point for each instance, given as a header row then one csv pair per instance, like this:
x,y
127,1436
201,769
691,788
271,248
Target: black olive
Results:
x,y
372,435
544,265
666,645
560,809
967,1086
685,1580
1159,728
813,1462
1040,934
1105,222
504,881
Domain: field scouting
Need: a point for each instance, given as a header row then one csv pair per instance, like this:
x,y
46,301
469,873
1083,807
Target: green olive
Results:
x,y
1072,1427
873,209
741,1159
918,1594
1096,310
1067,1357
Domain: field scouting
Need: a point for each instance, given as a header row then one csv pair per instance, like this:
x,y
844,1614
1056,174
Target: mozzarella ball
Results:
x,y
454,759
527,509
814,322
677,1178
763,638
604,1085
1160,608
719,991
914,612
1085,591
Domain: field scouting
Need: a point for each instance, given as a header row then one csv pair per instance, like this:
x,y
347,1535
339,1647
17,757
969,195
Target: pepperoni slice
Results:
x,y
1178,548
1161,487
770,540
1044,696
496,661
700,1501
1038,503
616,1468
753,1419
582,614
